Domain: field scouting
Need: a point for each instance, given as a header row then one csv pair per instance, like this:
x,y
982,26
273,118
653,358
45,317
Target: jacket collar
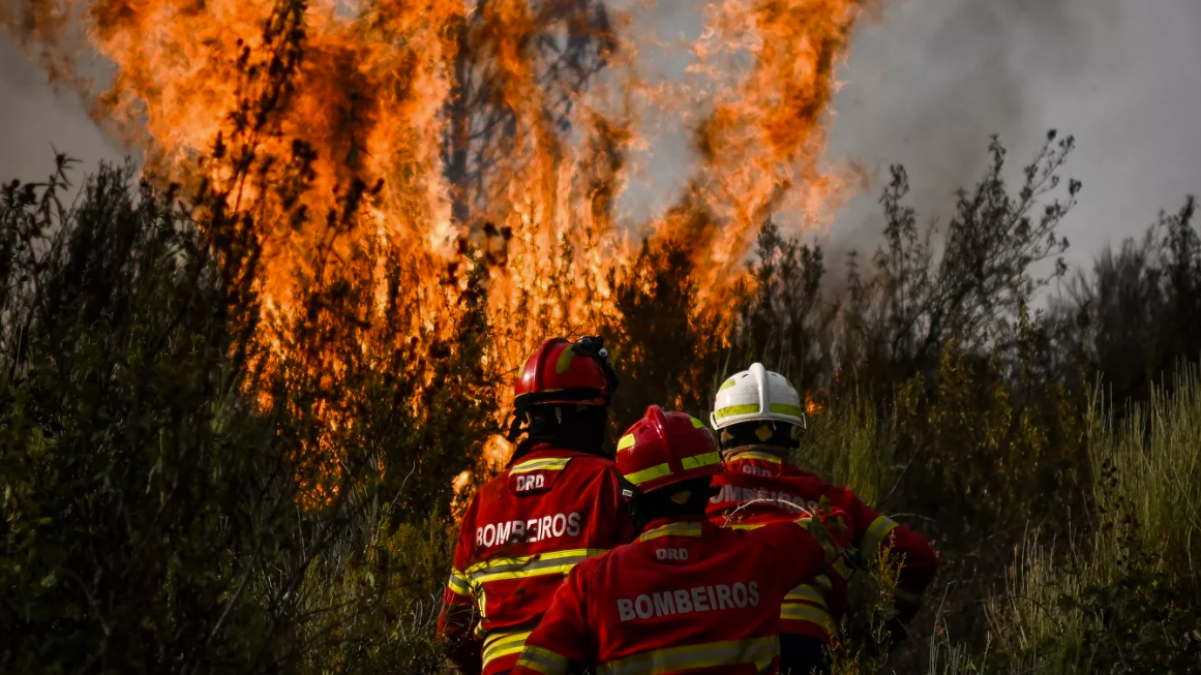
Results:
x,y
764,456
675,526
544,451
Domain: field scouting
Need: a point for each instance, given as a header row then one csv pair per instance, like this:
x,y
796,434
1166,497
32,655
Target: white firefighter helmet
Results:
x,y
757,394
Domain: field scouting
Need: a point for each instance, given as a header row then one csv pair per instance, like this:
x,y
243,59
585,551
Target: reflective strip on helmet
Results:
x,y
876,532
730,411
626,441
564,361
728,383
504,644
761,652
459,584
672,529
697,424
542,661
555,562
697,461
546,464
785,409
807,593
640,477
793,611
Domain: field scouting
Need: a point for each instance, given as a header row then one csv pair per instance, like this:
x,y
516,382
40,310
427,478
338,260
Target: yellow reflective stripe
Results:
x,y
697,424
497,638
555,562
542,660
697,461
807,613
876,532
823,582
728,383
459,583
785,409
672,529
546,464
807,593
639,477
626,441
504,645
759,651
755,454
564,361
744,409
746,526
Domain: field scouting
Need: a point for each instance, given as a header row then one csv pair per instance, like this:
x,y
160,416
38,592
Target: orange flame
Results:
x,y
456,106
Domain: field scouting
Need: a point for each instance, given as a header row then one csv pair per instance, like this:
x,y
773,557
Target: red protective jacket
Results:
x,y
758,488
687,596
522,533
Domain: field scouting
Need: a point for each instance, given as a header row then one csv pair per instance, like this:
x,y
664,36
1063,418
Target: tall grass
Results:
x,y
848,445
1128,577
1153,460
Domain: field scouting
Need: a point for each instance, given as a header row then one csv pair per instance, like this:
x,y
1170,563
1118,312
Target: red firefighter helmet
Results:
x,y
561,371
663,449
564,372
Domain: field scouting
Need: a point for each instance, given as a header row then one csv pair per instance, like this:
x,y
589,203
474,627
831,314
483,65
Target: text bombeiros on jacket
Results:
x,y
528,531
717,597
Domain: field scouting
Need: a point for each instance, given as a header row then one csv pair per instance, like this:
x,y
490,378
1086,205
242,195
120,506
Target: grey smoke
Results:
x,y
35,120
930,80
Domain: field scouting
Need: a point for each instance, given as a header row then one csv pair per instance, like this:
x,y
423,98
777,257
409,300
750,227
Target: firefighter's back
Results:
x,y
529,526
757,488
691,597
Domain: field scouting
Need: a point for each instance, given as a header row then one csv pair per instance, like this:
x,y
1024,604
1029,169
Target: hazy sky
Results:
x,y
928,83
925,84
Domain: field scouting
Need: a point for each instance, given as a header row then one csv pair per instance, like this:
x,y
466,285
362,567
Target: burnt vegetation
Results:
x,y
181,495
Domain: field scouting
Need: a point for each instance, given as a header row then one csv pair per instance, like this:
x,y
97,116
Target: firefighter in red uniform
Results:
x,y
686,596
758,418
557,503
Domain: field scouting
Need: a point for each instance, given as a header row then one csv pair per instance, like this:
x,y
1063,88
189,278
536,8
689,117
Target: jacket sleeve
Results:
x,y
561,639
459,615
874,531
806,546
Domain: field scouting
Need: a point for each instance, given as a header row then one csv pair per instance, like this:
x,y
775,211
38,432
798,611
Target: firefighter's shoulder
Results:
x,y
571,461
781,537
570,469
